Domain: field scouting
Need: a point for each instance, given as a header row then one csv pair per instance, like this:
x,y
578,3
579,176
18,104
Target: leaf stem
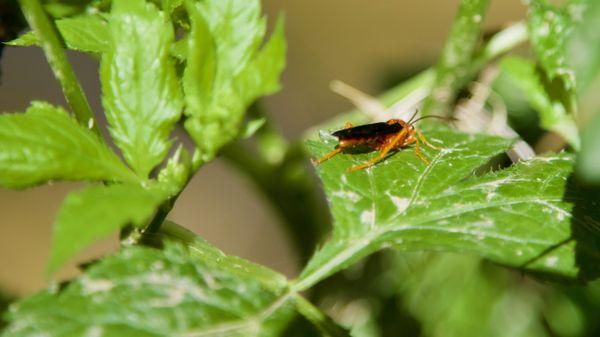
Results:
x,y
323,322
52,45
453,66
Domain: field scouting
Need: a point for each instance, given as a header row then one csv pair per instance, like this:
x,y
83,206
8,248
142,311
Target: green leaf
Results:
x,y
86,33
171,5
63,8
45,144
96,212
179,291
453,68
177,171
549,30
226,71
25,40
552,109
141,93
518,216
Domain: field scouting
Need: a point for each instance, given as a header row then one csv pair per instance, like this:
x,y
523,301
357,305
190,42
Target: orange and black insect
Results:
x,y
383,137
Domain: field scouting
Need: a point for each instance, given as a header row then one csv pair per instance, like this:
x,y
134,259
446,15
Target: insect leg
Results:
x,y
398,139
418,152
327,156
425,141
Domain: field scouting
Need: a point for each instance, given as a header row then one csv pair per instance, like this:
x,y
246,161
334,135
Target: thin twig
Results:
x,y
55,54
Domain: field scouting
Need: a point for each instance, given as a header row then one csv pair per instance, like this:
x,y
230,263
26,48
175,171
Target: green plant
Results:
x,y
535,216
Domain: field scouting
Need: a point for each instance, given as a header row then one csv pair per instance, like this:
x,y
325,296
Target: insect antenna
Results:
x,y
453,119
413,116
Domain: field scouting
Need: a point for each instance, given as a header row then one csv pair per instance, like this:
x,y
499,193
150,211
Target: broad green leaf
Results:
x,y
261,76
226,71
553,112
141,93
87,33
520,216
96,212
549,30
45,144
177,291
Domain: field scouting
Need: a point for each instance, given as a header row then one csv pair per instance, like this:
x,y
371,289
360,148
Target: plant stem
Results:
x,y
55,54
323,322
453,66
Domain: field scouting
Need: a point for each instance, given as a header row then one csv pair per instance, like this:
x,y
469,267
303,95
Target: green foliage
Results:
x,y
87,33
453,68
516,216
98,211
141,94
532,216
554,115
45,144
549,31
226,71
195,291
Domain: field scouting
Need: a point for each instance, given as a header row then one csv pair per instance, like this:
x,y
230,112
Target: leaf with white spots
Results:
x,y
526,216
177,291
550,29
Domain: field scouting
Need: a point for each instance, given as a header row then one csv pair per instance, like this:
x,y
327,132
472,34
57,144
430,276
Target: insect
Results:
x,y
383,137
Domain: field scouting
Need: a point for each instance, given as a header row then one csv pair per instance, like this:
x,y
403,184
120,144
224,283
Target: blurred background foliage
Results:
x,y
374,47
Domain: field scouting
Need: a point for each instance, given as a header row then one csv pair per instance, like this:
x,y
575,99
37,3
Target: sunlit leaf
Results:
x,y
177,291
141,93
96,212
45,144
528,216
550,29
87,33
226,71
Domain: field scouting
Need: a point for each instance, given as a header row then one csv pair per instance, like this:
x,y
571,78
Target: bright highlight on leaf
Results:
x,y
141,93
45,144
225,70
177,291
96,212
524,216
